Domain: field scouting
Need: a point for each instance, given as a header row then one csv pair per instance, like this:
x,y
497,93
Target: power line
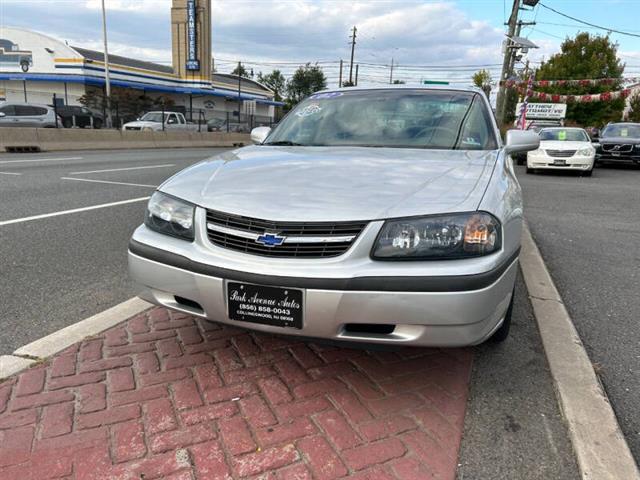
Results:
x,y
589,24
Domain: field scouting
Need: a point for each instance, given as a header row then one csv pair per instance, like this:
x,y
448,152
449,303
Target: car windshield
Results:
x,y
154,117
622,130
564,135
402,118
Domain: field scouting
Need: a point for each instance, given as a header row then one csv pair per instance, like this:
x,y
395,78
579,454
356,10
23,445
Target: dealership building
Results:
x,y
34,67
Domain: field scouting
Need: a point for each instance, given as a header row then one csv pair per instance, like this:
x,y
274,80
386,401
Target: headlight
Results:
x,y
168,215
439,237
586,151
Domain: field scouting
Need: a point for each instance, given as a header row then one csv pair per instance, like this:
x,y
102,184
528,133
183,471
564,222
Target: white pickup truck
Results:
x,y
152,121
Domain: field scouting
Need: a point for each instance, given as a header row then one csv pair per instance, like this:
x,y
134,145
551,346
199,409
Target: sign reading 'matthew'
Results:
x,y
192,45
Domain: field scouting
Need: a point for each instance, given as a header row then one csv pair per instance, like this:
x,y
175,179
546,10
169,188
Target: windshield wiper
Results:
x,y
285,143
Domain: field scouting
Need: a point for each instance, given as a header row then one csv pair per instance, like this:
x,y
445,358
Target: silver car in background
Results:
x,y
28,115
381,215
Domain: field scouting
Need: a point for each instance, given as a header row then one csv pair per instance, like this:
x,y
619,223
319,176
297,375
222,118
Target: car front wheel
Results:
x,y
501,334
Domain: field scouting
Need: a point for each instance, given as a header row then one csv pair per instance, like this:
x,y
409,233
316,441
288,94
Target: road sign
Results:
x,y
434,82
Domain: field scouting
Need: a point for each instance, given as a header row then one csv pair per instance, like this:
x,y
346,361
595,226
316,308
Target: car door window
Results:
x,y
8,110
172,120
24,111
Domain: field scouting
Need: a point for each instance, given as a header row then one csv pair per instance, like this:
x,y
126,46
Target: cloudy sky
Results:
x,y
427,39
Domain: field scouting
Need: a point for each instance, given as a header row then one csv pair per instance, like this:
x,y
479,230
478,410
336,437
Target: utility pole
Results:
x,y
239,89
353,49
340,78
356,84
107,77
507,62
391,73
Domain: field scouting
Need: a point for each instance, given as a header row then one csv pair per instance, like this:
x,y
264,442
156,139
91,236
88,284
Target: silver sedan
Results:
x,y
381,215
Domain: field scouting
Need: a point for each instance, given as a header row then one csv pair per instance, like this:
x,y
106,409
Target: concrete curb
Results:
x,y
600,447
24,357
10,365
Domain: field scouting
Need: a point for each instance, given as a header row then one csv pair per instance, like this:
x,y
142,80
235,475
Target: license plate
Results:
x,y
280,307
560,162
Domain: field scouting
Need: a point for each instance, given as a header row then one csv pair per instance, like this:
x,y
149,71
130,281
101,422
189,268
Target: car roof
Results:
x,y
562,128
5,102
418,86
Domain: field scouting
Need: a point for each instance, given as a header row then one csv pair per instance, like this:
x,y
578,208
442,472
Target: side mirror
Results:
x,y
260,134
2,114
520,141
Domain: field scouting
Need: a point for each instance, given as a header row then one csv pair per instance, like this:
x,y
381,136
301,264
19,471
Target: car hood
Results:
x,y
626,140
336,183
140,123
563,145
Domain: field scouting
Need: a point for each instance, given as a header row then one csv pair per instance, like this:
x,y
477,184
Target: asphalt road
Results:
x,y
61,269
588,230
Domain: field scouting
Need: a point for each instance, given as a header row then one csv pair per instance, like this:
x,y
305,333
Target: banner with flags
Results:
x,y
589,98
567,83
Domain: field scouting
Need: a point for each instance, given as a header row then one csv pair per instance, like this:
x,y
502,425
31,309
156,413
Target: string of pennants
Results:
x,y
565,83
525,87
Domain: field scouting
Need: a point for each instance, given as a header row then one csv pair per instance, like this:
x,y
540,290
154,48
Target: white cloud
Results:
x,y
129,5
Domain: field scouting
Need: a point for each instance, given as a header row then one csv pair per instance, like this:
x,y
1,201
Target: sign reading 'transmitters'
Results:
x,y
192,36
545,111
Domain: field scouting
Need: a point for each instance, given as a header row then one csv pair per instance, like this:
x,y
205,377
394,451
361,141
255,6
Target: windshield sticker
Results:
x,y
319,96
562,135
309,110
624,132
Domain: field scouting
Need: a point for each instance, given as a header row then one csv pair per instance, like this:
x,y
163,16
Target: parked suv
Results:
x,y
76,116
619,143
27,115
382,215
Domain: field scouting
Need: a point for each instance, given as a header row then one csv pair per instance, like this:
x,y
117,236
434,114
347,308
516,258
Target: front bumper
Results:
x,y
576,162
441,310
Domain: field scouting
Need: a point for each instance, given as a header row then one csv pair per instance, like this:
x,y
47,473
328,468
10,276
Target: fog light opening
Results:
x,y
185,302
369,328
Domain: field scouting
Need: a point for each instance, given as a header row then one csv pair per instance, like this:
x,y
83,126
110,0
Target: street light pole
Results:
x,y
106,66
506,63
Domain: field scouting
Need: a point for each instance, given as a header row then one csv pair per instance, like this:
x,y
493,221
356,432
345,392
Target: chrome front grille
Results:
x,y
299,239
620,148
561,153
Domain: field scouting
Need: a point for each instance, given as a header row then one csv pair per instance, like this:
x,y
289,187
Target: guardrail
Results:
x,y
51,139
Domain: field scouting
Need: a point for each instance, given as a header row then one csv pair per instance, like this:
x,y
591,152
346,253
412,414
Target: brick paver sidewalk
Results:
x,y
167,396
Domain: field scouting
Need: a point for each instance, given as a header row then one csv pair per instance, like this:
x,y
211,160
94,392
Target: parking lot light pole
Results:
x,y
107,78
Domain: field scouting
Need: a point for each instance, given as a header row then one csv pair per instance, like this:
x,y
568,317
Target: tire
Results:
x,y
501,334
67,123
588,173
530,170
24,66
97,123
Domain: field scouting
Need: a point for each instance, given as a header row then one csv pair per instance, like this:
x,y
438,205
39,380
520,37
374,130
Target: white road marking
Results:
x,y
75,210
41,160
10,173
124,169
109,182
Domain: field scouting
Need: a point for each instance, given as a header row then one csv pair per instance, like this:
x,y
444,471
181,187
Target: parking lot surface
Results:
x,y
588,231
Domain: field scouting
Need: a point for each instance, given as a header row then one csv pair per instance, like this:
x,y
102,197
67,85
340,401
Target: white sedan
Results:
x,y
563,149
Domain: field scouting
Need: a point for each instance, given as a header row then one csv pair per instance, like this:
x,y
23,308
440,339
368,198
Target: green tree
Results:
x,y
242,71
276,82
127,103
306,80
482,79
399,82
347,83
586,57
634,113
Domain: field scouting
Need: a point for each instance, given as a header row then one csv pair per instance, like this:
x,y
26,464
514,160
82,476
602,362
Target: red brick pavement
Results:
x,y
165,395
